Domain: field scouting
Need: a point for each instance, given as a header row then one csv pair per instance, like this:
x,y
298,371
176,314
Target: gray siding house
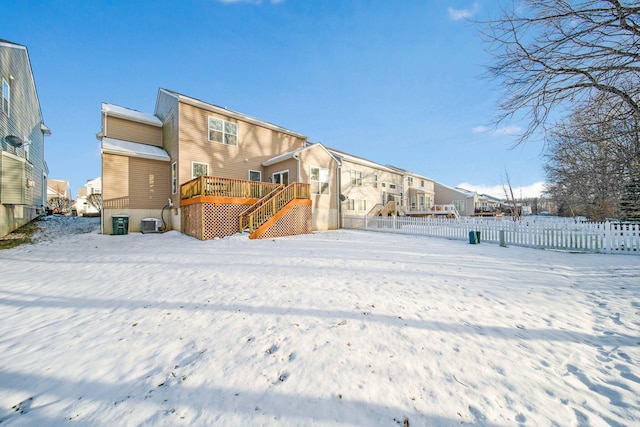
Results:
x,y
23,171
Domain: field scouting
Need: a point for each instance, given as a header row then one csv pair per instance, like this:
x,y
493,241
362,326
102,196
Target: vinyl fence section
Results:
x,y
535,232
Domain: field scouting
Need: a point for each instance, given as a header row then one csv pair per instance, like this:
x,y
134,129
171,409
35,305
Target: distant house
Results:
x,y
23,170
58,188
368,188
82,206
463,201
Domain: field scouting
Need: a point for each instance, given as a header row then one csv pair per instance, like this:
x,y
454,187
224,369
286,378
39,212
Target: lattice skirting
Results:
x,y
207,221
294,220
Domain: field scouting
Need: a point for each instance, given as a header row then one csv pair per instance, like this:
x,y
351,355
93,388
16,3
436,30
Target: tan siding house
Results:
x,y
464,201
136,179
314,165
147,158
368,188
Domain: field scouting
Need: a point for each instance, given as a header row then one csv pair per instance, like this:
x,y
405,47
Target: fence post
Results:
x,y
608,237
365,222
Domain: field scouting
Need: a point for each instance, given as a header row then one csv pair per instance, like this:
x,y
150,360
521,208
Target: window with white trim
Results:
x,y
392,186
223,131
459,205
410,180
199,169
356,178
356,205
255,176
422,183
6,97
375,180
319,180
174,177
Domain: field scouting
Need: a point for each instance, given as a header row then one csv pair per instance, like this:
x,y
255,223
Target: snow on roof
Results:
x,y
129,114
133,149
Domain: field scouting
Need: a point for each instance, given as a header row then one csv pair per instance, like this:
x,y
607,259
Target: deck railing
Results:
x,y
225,187
272,205
244,216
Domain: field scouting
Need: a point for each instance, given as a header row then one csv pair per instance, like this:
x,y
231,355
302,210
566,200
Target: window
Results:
x,y
392,186
410,180
422,183
459,204
356,178
199,169
319,179
174,177
222,131
356,205
281,177
255,176
375,180
6,97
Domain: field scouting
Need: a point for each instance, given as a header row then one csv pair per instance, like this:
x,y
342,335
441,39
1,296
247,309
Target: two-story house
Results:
x,y
368,188
198,167
23,171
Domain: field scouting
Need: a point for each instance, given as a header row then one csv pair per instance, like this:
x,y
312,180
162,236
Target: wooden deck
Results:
x,y
218,207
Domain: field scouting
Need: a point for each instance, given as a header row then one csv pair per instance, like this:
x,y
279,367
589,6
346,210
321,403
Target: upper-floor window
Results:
x,y
223,131
410,180
422,183
319,180
375,180
199,169
392,186
6,97
356,178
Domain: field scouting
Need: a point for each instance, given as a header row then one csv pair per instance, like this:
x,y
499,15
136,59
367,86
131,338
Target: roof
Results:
x,y
408,172
133,149
129,114
10,44
294,153
461,191
230,113
359,160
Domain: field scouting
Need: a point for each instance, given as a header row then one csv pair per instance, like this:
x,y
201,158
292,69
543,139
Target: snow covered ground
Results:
x,y
330,329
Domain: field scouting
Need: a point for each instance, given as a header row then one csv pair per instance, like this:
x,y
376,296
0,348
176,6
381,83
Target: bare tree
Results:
x,y
59,204
552,55
95,200
590,159
514,210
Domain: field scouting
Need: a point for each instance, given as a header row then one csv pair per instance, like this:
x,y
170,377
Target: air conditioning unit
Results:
x,y
151,225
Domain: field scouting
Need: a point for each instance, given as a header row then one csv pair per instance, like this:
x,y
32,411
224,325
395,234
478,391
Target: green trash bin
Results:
x,y
474,237
120,224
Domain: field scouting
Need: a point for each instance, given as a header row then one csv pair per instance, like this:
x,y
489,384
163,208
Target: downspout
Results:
x,y
104,133
295,156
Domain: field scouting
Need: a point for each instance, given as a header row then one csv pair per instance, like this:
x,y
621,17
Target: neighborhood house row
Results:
x,y
146,158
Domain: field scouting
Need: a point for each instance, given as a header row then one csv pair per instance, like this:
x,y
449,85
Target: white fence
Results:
x,y
536,232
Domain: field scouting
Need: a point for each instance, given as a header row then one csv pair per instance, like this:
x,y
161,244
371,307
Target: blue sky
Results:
x,y
397,82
